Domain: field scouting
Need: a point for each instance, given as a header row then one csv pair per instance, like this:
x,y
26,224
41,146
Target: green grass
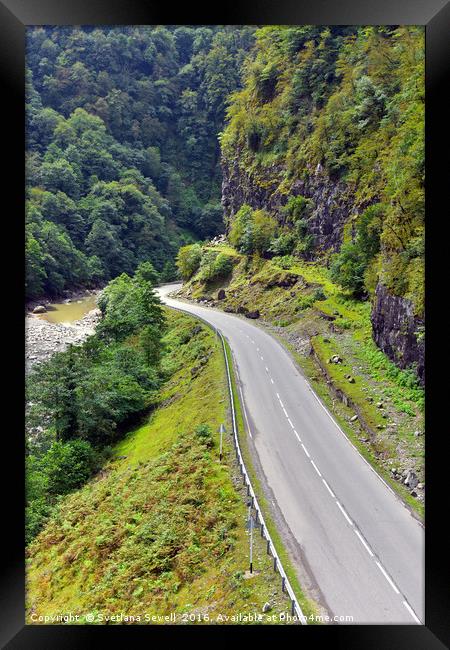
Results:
x,y
335,323
161,529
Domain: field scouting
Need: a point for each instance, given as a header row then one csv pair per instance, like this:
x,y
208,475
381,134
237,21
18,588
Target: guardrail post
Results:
x,y
264,534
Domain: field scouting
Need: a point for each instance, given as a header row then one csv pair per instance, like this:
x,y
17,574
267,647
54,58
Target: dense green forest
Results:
x,y
87,394
123,161
347,102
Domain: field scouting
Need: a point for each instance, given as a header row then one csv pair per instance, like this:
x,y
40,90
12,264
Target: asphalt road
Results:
x,y
359,543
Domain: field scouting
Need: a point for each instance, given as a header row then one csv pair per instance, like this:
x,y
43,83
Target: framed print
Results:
x,y
231,233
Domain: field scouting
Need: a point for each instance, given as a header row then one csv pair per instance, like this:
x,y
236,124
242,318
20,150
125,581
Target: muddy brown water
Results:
x,y
68,312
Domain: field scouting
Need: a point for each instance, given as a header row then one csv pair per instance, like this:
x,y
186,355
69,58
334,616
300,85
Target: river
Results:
x,y
68,312
63,324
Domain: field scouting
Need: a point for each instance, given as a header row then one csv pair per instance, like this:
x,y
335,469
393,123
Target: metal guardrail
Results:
x,y
296,610
277,565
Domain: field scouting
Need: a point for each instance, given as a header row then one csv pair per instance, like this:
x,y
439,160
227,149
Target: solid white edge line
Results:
x,y
363,542
298,437
394,587
344,513
328,488
245,412
411,611
316,468
290,423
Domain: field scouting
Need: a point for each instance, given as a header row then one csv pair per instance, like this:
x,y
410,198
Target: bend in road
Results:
x,y
363,547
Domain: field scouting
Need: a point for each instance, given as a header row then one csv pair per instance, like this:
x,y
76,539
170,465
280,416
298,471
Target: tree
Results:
x,y
188,260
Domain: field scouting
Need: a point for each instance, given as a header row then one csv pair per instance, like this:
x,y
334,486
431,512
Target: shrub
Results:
x,y
223,265
188,260
203,431
284,244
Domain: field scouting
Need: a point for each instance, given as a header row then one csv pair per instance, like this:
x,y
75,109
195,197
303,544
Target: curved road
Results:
x,y
358,543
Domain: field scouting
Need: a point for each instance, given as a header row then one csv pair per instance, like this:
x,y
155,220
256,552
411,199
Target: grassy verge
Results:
x,y
308,607
341,414
162,529
308,312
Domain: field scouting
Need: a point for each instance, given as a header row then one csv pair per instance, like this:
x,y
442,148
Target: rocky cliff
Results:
x,y
332,204
397,331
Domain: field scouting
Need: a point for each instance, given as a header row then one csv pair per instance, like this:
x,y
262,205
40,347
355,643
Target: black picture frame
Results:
x,y
15,15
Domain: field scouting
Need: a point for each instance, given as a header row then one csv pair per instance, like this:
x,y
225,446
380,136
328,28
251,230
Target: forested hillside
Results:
x,y
324,154
122,149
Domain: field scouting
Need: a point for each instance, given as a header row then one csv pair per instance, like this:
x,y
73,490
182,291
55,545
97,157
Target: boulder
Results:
x,y
221,294
351,380
266,607
40,309
241,310
252,314
411,480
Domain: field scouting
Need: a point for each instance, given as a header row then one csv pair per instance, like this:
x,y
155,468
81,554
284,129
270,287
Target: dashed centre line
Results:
x,y
328,488
344,513
394,587
364,543
341,508
315,467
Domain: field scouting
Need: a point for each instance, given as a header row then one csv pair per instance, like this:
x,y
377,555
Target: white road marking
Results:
x,y
290,423
245,412
278,396
344,513
262,358
285,412
410,610
305,450
267,369
298,437
363,542
316,468
349,441
328,488
271,380
387,577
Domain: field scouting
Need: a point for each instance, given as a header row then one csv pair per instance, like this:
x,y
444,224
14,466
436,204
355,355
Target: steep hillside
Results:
x,y
336,115
122,149
329,333
161,529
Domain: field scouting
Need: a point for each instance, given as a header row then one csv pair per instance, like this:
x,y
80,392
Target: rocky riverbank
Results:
x,y
43,339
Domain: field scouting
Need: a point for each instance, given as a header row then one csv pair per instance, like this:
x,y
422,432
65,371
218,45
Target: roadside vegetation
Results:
x,y
329,331
161,527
